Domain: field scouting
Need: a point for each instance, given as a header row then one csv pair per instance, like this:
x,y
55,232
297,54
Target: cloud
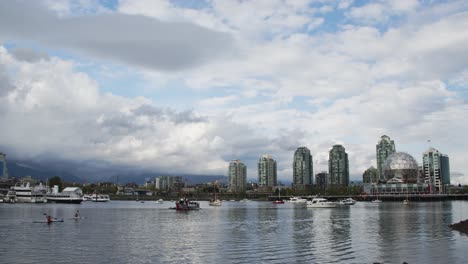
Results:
x,y
131,39
5,83
29,55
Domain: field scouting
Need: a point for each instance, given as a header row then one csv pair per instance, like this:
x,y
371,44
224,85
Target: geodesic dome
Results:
x,y
400,167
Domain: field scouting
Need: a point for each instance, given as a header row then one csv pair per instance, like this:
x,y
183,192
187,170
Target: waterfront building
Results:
x,y
321,180
400,167
371,175
384,148
303,169
436,170
169,183
266,171
3,165
237,176
338,167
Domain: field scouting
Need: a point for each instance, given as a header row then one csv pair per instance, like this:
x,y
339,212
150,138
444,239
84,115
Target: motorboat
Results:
x,y
347,201
99,198
318,202
406,201
376,201
186,205
160,201
297,200
244,200
278,202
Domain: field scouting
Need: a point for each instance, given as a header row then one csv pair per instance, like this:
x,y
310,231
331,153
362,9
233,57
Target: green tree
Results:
x,y
56,180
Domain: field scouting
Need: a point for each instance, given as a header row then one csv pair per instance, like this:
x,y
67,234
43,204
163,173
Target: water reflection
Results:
x,y
253,232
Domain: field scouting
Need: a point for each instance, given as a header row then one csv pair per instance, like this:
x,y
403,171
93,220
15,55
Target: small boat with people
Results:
x,y
185,204
318,202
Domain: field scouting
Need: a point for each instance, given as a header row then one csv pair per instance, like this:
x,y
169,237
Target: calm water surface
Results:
x,y
251,232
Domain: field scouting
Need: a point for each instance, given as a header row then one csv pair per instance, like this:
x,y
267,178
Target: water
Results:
x,y
251,232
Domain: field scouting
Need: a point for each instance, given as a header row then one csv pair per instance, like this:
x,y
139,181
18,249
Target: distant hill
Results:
x,y
19,169
81,173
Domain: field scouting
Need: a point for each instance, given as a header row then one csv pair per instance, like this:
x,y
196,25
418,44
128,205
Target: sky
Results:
x,y
188,86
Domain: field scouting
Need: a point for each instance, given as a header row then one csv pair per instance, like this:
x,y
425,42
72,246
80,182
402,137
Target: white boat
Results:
x,y
405,201
244,200
376,201
160,201
297,200
320,203
68,195
347,201
24,193
98,198
215,202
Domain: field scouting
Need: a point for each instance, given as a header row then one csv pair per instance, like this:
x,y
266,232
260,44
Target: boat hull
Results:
x,y
65,201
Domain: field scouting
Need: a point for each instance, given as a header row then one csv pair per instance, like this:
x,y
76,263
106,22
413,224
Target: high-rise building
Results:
x,y
303,169
321,180
237,176
266,171
384,148
3,166
338,167
169,183
436,170
371,175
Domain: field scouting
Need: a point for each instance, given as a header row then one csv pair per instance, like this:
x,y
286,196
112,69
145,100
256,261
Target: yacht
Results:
x,y
297,200
96,197
24,193
68,195
347,201
320,203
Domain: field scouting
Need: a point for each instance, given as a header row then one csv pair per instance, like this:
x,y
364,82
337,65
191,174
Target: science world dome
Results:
x,y
400,167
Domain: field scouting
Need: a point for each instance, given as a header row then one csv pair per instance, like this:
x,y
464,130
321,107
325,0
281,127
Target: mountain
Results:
x,y
90,172
19,169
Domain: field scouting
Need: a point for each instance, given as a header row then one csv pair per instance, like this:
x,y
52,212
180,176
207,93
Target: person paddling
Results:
x,y
49,219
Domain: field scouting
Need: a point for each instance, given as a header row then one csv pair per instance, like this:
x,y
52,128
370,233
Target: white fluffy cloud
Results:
x,y
385,69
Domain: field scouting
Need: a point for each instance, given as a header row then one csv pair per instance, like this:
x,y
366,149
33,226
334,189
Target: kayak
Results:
x,y
53,221
77,218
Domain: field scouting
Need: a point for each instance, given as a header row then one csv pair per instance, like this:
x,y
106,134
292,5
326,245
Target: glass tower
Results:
x,y
266,171
237,176
303,170
371,175
338,167
384,148
436,170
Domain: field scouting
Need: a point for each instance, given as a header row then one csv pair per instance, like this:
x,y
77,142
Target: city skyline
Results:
x,y
187,86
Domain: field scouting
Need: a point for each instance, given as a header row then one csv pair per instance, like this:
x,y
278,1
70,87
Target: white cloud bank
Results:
x,y
286,87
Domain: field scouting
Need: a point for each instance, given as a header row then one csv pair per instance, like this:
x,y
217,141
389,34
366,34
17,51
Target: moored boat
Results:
x,y
318,202
68,195
347,201
215,202
24,193
297,200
